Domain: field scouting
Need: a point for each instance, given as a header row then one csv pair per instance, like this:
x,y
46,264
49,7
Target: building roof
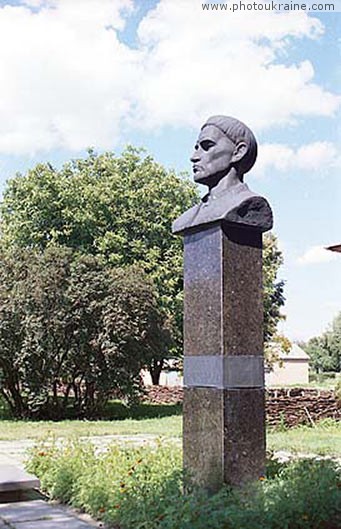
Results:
x,y
334,248
296,353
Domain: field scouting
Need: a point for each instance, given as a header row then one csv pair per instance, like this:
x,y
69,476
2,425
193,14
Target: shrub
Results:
x,y
118,486
72,327
142,488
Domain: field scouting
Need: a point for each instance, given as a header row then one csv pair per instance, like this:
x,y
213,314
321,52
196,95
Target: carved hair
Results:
x,y
236,131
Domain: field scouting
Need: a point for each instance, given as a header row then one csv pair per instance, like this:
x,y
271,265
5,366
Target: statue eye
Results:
x,y
207,144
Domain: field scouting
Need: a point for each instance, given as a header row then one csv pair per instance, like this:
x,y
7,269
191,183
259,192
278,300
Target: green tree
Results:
x,y
325,350
120,208
334,342
319,355
273,287
71,327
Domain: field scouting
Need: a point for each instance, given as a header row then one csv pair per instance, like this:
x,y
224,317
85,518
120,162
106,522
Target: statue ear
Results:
x,y
239,152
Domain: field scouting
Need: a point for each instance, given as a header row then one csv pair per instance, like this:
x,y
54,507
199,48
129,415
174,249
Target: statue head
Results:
x,y
223,143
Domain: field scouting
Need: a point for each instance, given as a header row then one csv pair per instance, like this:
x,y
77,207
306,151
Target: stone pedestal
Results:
x,y
224,408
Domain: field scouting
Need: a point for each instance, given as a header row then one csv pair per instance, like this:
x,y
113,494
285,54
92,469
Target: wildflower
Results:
x,y
262,478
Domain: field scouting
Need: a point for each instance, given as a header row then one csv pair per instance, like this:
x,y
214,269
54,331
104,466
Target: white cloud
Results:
x,y
316,156
66,79
201,61
315,255
320,154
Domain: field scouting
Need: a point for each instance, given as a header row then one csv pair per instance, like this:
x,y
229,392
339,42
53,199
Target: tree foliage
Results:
x,y
273,287
120,209
325,350
70,327
275,348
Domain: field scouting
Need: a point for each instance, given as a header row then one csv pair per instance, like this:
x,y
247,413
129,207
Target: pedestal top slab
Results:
x,y
13,478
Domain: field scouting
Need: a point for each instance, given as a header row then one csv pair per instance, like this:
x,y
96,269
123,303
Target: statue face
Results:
x,y
212,156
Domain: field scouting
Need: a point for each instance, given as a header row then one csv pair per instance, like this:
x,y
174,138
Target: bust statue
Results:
x,y
226,149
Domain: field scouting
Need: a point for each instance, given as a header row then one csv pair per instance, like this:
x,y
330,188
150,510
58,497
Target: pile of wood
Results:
x,y
164,395
295,406
287,406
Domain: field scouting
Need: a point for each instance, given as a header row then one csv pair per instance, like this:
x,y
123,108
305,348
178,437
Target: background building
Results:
x,y
293,368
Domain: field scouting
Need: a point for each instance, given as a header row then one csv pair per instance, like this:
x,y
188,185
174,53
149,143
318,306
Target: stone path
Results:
x,y
38,514
14,452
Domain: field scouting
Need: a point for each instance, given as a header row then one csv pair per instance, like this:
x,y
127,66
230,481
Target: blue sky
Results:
x,y
105,73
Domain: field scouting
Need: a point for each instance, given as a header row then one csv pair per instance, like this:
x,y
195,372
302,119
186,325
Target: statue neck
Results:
x,y
230,180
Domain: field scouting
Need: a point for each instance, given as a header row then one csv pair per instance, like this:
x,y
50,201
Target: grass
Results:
x,y
118,419
163,426
325,381
166,421
325,384
324,438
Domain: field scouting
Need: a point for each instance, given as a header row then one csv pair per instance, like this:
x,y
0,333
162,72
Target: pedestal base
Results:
x,y
224,436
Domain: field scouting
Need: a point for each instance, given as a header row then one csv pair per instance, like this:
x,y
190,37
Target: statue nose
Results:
x,y
195,157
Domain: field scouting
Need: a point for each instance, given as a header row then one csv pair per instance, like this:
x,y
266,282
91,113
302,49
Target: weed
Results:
x,y
142,488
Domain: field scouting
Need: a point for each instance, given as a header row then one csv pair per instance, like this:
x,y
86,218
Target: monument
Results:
x,y
224,399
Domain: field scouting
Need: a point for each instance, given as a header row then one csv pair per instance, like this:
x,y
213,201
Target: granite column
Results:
x,y
224,408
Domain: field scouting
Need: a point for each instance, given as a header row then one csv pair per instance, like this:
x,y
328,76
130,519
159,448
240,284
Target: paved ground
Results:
x,y
14,452
38,514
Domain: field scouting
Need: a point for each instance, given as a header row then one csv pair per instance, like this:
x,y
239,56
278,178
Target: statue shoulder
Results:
x,y
185,220
253,212
239,206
